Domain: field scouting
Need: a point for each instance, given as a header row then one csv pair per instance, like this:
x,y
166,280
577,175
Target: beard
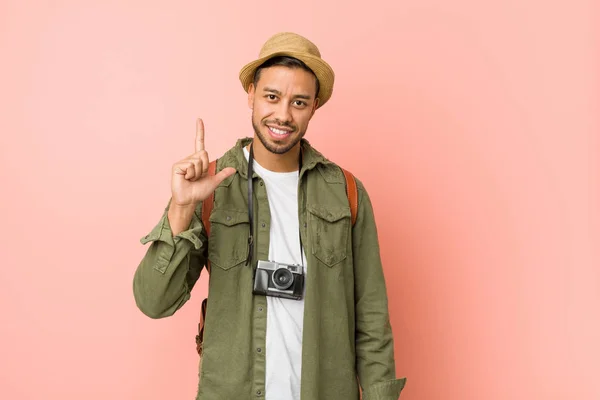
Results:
x,y
274,147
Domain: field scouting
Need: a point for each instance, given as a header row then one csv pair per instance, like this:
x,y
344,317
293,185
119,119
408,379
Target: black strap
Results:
x,y
251,208
299,230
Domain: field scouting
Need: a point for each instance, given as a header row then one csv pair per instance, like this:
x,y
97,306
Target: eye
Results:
x,y
299,103
271,97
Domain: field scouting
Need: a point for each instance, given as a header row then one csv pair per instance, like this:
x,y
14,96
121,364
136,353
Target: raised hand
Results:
x,y
191,184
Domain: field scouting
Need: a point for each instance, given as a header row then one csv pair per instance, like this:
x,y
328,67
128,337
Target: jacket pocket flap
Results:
x,y
228,217
329,213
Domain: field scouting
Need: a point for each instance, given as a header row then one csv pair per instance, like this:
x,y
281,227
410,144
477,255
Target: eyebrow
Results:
x,y
278,93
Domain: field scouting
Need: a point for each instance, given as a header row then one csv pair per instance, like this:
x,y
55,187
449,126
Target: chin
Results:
x,y
278,146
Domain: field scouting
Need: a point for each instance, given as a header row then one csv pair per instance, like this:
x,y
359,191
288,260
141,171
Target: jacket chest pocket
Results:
x,y
329,229
228,242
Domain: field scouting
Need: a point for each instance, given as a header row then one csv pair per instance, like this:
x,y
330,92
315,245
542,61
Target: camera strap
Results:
x,y
251,207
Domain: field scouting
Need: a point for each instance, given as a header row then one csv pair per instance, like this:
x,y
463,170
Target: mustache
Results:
x,y
280,123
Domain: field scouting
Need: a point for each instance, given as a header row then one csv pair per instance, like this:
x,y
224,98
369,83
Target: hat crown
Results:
x,y
289,42
296,46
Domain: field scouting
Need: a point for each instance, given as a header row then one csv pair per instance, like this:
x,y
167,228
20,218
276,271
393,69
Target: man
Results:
x,y
328,333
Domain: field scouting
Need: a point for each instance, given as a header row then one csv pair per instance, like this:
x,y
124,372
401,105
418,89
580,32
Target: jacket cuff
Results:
x,y
388,390
162,232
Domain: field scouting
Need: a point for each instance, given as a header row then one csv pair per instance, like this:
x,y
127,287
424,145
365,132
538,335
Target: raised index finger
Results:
x,y
199,135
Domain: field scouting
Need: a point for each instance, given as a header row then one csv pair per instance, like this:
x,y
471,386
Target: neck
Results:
x,y
286,162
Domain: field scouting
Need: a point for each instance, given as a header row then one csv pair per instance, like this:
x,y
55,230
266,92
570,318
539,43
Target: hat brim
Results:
x,y
321,69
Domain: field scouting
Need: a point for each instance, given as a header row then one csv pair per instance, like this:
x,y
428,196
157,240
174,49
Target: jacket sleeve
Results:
x,y
171,266
374,340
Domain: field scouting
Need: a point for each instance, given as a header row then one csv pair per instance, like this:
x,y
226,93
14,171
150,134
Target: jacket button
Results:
x,y
258,392
259,349
261,183
263,224
228,218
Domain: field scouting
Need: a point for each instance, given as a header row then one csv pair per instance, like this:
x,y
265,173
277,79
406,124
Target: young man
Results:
x,y
297,305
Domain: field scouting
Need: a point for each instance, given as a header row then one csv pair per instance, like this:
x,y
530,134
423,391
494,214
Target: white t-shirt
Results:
x,y
284,316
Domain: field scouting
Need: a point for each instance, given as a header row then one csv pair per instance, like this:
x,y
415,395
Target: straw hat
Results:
x,y
293,45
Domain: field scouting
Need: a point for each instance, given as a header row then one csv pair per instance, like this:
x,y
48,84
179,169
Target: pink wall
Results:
x,y
473,124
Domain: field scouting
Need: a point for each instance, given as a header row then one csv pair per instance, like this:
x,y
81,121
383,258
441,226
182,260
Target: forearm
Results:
x,y
169,269
180,217
160,294
374,338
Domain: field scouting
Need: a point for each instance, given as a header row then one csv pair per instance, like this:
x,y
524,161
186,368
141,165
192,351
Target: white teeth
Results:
x,y
278,131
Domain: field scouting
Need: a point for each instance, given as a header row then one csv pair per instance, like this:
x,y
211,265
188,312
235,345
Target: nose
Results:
x,y
282,113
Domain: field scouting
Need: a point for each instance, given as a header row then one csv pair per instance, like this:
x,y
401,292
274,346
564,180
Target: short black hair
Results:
x,y
285,61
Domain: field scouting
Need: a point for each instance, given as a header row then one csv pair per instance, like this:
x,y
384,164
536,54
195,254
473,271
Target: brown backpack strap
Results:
x,y
200,335
352,193
207,206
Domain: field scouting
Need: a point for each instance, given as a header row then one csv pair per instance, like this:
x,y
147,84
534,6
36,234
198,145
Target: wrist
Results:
x,y
181,208
180,217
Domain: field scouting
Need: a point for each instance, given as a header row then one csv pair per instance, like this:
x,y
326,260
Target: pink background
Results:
x,y
474,125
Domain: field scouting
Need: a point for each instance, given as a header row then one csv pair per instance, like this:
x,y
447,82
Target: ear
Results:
x,y
315,105
251,92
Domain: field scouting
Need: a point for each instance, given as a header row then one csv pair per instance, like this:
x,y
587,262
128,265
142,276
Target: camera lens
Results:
x,y
282,278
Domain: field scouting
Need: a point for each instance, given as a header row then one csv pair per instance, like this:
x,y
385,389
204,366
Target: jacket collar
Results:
x,y
235,157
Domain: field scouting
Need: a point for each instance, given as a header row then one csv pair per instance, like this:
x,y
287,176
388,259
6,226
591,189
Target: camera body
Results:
x,y
279,280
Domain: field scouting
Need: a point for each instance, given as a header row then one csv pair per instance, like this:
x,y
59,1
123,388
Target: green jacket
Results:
x,y
347,337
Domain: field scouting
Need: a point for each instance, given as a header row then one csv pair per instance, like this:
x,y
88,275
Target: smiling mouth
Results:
x,y
279,132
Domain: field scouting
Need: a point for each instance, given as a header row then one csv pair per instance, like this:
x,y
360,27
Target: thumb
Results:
x,y
222,175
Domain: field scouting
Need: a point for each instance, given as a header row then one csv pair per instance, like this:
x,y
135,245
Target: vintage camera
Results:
x,y
279,280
